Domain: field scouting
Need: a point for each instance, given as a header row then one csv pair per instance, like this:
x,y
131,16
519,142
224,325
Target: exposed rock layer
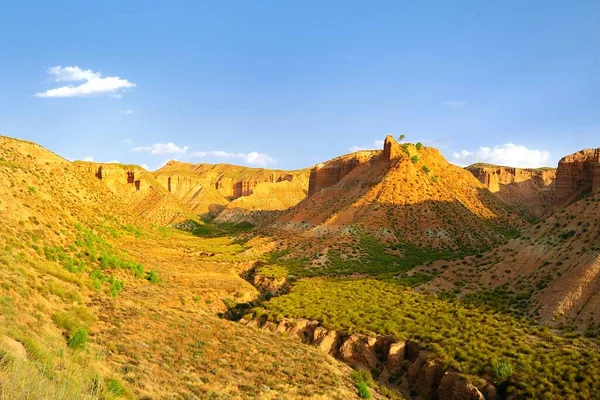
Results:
x,y
329,173
577,173
530,189
399,363
211,188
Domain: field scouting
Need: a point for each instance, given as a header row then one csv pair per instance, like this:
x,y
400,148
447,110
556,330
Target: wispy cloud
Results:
x,y
128,112
252,158
162,148
507,154
93,83
91,159
377,144
454,103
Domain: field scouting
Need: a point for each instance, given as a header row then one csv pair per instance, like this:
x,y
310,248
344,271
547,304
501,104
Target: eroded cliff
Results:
x,y
329,173
531,190
209,189
577,174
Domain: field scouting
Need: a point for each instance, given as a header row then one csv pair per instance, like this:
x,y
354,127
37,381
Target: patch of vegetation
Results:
x,y
152,277
501,299
375,259
75,323
92,251
214,230
414,159
361,383
529,361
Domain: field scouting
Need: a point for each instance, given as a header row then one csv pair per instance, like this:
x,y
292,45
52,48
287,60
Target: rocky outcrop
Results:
x,y
138,189
401,364
327,174
210,189
453,386
391,148
530,189
577,174
496,177
269,284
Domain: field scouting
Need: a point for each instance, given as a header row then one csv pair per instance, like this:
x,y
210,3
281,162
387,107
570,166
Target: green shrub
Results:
x,y
414,159
502,370
419,146
363,390
113,387
426,169
363,380
116,287
31,189
78,340
152,277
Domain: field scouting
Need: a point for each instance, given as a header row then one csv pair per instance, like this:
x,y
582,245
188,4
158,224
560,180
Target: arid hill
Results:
x,y
96,301
530,191
139,190
405,194
555,263
240,191
578,174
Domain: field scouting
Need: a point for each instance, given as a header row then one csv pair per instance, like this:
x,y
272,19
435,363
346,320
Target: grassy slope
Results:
x,y
82,316
470,339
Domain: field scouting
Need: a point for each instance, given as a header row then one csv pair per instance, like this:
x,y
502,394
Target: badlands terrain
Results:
x,y
379,274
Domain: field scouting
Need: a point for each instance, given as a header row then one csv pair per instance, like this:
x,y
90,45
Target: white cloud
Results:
x,y
252,158
91,159
127,141
454,103
162,148
507,154
128,112
93,83
377,144
115,96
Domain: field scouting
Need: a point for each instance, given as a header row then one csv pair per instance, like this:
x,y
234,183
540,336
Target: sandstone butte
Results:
x,y
532,190
400,194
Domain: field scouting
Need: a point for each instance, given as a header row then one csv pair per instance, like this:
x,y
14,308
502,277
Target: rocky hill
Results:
x,y
139,190
553,267
530,191
404,195
577,174
98,302
210,189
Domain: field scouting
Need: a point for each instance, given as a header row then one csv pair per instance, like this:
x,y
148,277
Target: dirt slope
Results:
x,y
95,302
555,264
529,191
403,194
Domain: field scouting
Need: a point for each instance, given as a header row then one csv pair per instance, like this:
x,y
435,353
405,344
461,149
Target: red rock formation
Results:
x,y
530,189
209,188
577,173
495,177
391,148
328,174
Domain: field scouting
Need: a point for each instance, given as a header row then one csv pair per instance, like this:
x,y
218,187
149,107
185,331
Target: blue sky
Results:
x,y
287,84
